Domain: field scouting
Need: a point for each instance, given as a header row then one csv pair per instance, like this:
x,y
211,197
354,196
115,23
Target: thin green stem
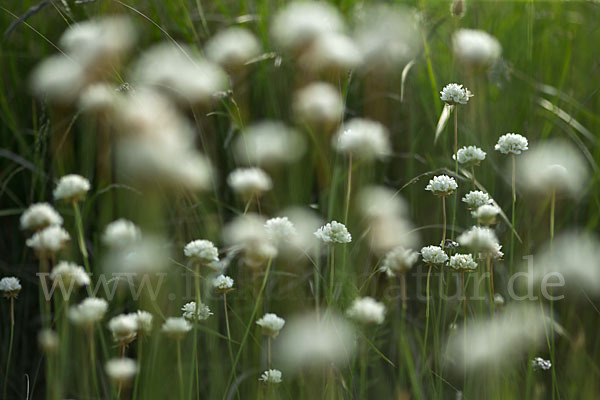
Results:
x,y
139,363
180,370
444,225
348,190
80,238
490,268
455,168
552,210
10,346
512,220
331,273
427,311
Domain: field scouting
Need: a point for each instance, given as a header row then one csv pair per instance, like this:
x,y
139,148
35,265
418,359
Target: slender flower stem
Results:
x,y
93,361
455,168
348,190
180,370
427,310
512,221
403,289
552,210
464,293
139,363
229,348
10,345
492,292
269,352
444,216
331,273
473,177
80,239
198,298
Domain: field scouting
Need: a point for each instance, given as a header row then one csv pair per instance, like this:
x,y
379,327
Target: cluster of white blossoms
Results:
x,y
511,143
39,216
248,234
475,47
331,52
442,185
147,256
48,340
176,328
271,324
249,182
462,263
333,232
453,93
271,376
363,139
486,214
71,188
540,363
367,310
202,251
48,240
280,229
469,155
318,104
123,328
479,239
121,370
70,274
232,48
268,144
223,283
434,255
88,312
121,233
100,98
399,261
476,199
144,321
10,286
194,313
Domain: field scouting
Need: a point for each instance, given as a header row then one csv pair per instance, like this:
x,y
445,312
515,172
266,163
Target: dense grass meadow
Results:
x,y
259,199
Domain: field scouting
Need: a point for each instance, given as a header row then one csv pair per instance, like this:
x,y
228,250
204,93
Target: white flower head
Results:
x,y
318,104
49,240
476,199
486,214
271,376
144,321
10,287
232,48
540,363
88,312
271,324
453,93
331,52
462,263
479,239
39,216
280,229
367,310
194,314
248,234
121,370
99,98
223,283
442,185
434,255
470,155
146,256
249,182
334,232
202,251
363,139
124,328
176,328
59,79
475,47
71,188
511,143
121,233
48,340
399,261
70,274
269,143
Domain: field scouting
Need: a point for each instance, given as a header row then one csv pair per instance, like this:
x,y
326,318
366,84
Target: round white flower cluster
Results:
x,y
223,283
48,340
318,104
124,328
476,199
540,363
511,143
271,376
486,214
331,52
334,232
39,216
176,328
10,286
121,233
476,47
121,370
367,310
398,261
269,143
248,234
232,48
193,313
249,182
202,251
144,321
71,188
70,273
434,255
88,312
479,239
280,229
271,324
462,263
363,138
453,93
442,185
470,155
49,240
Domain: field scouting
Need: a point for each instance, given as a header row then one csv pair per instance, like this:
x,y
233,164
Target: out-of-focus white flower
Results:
x,y
363,138
49,240
269,143
88,312
553,166
10,287
176,328
98,97
380,202
462,263
311,342
318,104
434,255
388,36
121,233
39,216
121,370
143,321
202,251
496,253
453,93
476,199
223,283
299,23
70,273
442,185
249,182
48,340
470,155
271,324
303,242
147,256
398,261
486,214
479,239
72,188
178,72
280,229
193,313
475,47
271,376
511,143
498,300
124,328
58,79
232,48
334,232
248,233
540,363
331,51
367,310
